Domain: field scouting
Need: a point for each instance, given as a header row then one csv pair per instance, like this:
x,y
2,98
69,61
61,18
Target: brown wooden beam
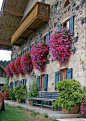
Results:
x,y
32,30
24,38
5,42
12,11
6,27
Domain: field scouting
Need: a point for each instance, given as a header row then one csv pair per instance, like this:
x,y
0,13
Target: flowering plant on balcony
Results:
x,y
7,70
60,45
83,108
26,63
39,54
17,65
12,67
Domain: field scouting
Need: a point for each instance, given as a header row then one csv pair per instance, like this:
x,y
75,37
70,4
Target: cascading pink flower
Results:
x,y
60,45
26,63
39,54
7,70
12,67
17,65
83,108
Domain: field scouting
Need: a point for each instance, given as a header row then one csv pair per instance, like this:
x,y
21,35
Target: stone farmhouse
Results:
x,y
24,23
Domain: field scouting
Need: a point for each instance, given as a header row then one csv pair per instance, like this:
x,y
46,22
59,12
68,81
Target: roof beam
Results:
x,y
6,27
12,11
5,42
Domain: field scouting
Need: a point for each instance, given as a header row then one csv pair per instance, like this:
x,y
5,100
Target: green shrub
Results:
x,y
84,92
34,114
70,94
45,115
6,86
20,93
33,89
12,94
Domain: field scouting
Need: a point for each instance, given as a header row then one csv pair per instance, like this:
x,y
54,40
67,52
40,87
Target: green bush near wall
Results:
x,y
70,94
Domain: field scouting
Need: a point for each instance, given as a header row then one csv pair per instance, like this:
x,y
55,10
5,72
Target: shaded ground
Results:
x,y
13,113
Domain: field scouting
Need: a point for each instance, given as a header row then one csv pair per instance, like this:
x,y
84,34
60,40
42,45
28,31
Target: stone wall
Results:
x,y
77,59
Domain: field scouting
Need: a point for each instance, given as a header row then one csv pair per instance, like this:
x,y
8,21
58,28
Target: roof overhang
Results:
x,y
10,17
34,19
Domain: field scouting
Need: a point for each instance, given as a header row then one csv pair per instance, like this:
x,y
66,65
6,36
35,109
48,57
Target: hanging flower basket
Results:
x,y
39,54
83,108
12,67
17,65
60,45
26,63
7,70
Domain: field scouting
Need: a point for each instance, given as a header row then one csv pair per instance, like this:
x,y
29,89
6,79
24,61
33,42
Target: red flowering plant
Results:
x,y
17,65
12,67
60,45
7,70
83,108
26,63
39,54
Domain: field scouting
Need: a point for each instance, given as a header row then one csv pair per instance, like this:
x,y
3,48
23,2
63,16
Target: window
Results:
x,y
45,38
63,74
65,24
67,2
42,81
43,1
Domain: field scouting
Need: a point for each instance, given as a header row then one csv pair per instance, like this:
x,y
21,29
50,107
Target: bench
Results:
x,y
45,97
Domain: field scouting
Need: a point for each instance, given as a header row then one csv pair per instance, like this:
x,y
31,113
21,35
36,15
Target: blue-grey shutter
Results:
x,y
20,82
46,82
71,23
9,85
35,42
47,38
29,48
56,78
69,73
62,75
40,40
17,83
43,1
24,81
59,27
26,49
38,83
12,85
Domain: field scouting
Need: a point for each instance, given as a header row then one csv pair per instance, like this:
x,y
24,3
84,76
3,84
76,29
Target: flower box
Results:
x,y
73,111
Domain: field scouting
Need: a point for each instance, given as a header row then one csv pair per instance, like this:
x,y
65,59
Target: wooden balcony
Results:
x,y
35,18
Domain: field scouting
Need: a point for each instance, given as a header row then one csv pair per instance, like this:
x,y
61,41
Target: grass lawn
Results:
x,y
13,113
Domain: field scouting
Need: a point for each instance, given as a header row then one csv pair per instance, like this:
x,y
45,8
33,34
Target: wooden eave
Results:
x,y
34,19
10,17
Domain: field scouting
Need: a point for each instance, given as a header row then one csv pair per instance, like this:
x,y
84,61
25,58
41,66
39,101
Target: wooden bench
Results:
x,y
45,97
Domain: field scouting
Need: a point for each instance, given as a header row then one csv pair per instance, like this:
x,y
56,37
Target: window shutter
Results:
x,y
40,40
71,24
59,27
56,78
46,82
43,1
15,84
29,48
47,38
24,81
69,73
12,85
35,42
38,83
26,49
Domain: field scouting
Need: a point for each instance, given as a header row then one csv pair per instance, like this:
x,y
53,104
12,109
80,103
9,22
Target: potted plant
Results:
x,y
70,95
33,91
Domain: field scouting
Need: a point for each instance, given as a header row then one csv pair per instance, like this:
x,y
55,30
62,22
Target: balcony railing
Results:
x,y
35,18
